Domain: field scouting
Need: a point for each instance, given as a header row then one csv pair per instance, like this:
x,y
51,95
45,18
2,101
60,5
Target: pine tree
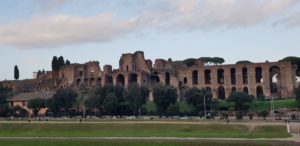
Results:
x,y
54,63
68,62
16,73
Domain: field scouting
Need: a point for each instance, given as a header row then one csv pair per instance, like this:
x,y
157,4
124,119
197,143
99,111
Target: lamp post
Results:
x,y
204,107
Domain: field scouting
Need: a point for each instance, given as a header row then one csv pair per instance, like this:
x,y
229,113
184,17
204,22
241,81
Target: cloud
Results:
x,y
62,30
290,21
161,15
46,5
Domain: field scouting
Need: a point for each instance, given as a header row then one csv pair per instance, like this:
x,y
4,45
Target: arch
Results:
x,y
233,76
92,81
78,82
207,76
245,90
133,78
233,89
220,76
221,93
258,74
259,91
245,75
121,80
168,78
185,80
275,81
98,82
108,79
195,77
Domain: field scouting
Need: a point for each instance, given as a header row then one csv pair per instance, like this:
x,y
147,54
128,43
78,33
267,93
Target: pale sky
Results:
x,y
33,31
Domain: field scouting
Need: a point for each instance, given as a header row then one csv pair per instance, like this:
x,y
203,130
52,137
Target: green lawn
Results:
x,y
259,106
278,104
140,130
138,143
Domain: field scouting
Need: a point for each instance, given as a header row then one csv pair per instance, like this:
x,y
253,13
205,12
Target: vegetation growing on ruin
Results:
x,y
209,60
243,62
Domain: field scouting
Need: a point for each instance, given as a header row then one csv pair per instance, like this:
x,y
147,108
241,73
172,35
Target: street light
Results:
x,y
204,107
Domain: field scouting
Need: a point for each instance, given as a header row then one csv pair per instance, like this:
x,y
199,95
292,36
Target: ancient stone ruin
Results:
x,y
277,79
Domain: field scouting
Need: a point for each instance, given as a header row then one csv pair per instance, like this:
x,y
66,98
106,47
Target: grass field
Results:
x,y
138,143
259,106
140,130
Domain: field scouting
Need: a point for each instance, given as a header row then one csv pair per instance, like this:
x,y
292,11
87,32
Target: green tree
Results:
x,y
68,62
36,105
16,72
61,62
185,109
297,93
137,96
55,64
164,96
62,99
196,97
4,95
240,102
111,104
150,108
243,62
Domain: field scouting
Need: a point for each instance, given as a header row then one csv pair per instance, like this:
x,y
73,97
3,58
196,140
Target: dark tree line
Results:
x,y
59,62
116,100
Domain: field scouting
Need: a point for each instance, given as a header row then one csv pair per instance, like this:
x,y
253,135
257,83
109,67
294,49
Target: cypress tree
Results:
x,y
16,73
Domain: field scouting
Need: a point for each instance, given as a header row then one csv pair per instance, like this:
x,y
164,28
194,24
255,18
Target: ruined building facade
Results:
x,y
269,78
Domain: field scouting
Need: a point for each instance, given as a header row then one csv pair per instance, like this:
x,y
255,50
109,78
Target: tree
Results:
x,y
243,62
16,72
4,95
36,105
137,96
54,63
63,99
95,99
164,96
61,62
240,102
111,104
68,62
185,108
297,93
196,96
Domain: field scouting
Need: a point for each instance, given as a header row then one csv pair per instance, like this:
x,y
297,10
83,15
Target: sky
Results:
x,y
33,31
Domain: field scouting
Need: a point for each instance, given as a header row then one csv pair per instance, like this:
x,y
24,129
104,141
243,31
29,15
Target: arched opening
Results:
x,y
121,80
245,75
258,74
99,81
209,90
133,78
195,77
92,81
233,76
154,78
207,76
275,81
185,80
221,93
245,89
108,80
259,92
78,82
233,89
220,76
168,78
